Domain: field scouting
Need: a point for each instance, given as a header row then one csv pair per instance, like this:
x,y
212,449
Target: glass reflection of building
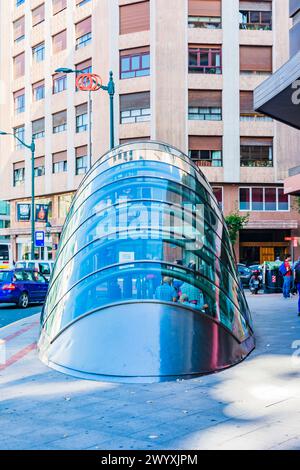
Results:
x,y
144,242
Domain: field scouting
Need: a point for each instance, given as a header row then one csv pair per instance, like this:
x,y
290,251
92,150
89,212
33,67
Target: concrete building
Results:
x,y
279,95
185,73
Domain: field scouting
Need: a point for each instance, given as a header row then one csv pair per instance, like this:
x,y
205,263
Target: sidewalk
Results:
x,y
255,405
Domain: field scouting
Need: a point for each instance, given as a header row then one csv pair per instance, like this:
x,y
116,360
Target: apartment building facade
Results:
x,y
185,72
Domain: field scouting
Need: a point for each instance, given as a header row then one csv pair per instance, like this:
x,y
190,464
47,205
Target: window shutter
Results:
x,y
256,58
38,15
59,5
256,6
19,165
81,151
59,41
136,50
59,157
205,143
255,141
246,102
205,8
19,65
19,93
84,65
205,98
39,161
81,109
19,28
59,118
37,84
83,27
135,17
38,125
135,101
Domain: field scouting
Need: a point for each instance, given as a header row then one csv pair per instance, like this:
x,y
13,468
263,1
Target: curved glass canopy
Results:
x,y
144,228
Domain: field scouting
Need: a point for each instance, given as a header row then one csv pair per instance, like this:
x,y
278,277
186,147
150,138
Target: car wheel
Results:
x,y
23,300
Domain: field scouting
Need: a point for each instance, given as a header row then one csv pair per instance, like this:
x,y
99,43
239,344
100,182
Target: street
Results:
x,y
254,405
10,313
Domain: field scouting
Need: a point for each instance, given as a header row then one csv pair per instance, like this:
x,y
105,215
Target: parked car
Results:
x,y
43,267
245,274
22,287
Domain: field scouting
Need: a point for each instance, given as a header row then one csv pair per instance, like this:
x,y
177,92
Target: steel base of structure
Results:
x,y
162,342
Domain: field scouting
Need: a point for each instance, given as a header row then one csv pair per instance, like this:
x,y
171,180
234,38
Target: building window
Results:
x,y
83,41
59,83
38,128
256,60
19,29
211,158
256,20
19,173
218,192
19,101
59,162
205,60
81,162
64,204
38,91
264,199
20,133
135,107
83,32
205,114
59,122
81,165
19,2
256,152
80,3
58,6
135,17
205,22
59,42
19,65
39,167
38,15
38,52
60,167
135,65
81,118
247,112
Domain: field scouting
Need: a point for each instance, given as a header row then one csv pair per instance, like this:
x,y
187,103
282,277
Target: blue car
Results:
x,y
22,287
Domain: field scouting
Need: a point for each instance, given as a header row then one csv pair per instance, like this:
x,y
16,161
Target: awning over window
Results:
x,y
205,8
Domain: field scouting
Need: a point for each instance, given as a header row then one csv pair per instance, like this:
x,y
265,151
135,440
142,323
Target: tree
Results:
x,y
235,223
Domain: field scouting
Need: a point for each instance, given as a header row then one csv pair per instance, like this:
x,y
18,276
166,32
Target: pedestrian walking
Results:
x,y
287,273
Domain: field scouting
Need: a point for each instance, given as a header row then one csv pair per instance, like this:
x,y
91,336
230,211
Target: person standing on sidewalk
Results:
x,y
297,282
286,271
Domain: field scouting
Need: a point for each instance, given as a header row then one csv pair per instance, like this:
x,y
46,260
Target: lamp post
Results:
x,y
31,147
110,88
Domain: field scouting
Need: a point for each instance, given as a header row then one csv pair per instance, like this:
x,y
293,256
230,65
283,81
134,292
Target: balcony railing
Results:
x,y
256,26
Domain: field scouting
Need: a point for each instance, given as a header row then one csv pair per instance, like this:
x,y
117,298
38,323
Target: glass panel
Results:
x,y
125,64
244,199
257,199
283,200
270,199
135,62
145,61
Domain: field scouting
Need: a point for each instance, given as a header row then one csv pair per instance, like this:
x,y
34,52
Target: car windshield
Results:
x,y
5,276
20,264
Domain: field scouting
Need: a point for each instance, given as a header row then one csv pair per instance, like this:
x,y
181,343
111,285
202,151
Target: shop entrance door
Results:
x,y
267,254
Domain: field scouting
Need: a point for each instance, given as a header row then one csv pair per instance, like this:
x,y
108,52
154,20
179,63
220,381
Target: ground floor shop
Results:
x,y
50,213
